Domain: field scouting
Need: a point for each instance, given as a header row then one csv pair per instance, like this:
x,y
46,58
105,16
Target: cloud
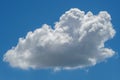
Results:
x,y
77,41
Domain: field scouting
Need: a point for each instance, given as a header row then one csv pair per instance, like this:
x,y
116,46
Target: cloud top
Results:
x,y
77,41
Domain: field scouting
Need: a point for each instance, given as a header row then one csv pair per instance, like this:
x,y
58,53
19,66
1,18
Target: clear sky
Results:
x,y
19,17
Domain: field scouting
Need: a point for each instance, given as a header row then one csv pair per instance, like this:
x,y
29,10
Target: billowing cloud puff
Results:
x,y
77,41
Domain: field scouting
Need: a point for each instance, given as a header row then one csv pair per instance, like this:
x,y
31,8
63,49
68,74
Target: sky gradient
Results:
x,y
17,18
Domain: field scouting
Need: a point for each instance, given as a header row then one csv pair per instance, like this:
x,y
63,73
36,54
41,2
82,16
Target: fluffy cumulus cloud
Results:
x,y
77,41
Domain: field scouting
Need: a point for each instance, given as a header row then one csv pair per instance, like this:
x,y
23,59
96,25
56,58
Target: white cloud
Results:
x,y
76,42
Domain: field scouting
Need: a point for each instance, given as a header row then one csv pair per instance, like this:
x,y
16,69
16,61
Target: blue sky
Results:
x,y
19,17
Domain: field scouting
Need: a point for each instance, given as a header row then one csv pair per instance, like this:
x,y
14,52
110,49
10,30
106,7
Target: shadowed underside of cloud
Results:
x,y
77,41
